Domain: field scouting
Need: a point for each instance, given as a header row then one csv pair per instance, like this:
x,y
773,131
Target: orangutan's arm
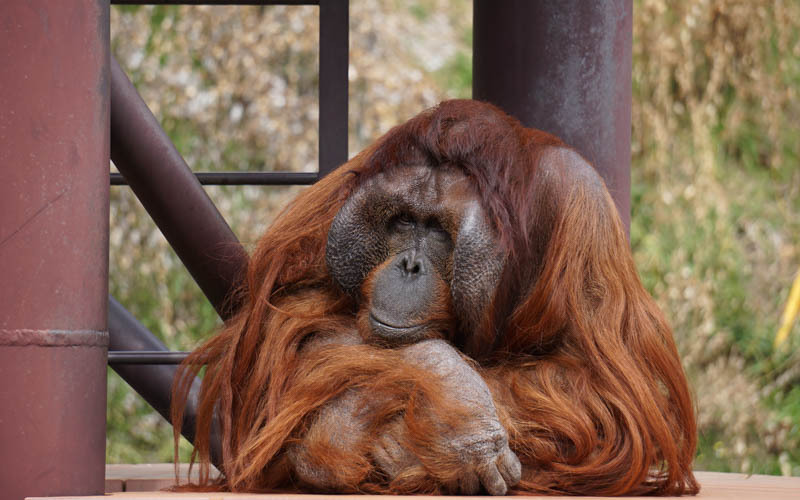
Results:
x,y
473,454
477,449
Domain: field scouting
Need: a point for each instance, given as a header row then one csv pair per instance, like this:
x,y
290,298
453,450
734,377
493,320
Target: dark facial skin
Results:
x,y
416,234
402,292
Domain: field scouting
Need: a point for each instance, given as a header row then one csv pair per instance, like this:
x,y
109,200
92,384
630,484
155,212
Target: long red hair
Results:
x,y
581,362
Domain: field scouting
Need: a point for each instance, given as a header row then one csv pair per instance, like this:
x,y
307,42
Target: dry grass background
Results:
x,y
716,183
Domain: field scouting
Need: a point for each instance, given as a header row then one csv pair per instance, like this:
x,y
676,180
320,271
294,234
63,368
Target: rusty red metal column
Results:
x,y
54,167
563,67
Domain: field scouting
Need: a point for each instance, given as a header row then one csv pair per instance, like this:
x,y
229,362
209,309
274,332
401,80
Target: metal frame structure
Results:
x,y
561,66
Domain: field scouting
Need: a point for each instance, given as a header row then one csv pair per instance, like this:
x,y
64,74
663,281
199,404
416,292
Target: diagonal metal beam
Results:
x,y
172,195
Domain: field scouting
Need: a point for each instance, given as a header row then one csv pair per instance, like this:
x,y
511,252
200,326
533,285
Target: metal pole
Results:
x,y
243,178
563,67
54,150
334,25
146,357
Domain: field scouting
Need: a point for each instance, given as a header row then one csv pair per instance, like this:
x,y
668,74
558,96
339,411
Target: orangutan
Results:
x,y
454,310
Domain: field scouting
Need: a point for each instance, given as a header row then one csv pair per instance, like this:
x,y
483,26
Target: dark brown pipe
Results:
x,y
563,67
244,178
334,25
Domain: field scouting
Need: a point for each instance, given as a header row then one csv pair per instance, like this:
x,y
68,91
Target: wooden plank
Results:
x,y
145,477
715,486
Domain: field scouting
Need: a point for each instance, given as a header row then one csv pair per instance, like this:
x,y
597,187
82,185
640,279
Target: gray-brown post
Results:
x,y
563,67
54,151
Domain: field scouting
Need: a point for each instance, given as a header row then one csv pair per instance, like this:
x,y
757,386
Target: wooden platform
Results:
x,y
141,482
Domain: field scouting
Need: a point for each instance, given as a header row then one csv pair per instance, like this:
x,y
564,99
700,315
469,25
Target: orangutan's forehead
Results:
x,y
423,185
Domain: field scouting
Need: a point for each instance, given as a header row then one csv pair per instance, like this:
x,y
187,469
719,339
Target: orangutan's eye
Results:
x,y
436,230
402,222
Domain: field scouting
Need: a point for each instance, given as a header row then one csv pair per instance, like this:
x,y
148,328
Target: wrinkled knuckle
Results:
x,y
499,440
500,443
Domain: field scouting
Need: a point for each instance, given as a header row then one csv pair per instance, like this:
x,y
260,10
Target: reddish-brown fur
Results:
x,y
581,363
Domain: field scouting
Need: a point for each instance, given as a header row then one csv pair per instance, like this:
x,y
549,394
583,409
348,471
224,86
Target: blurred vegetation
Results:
x,y
716,183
